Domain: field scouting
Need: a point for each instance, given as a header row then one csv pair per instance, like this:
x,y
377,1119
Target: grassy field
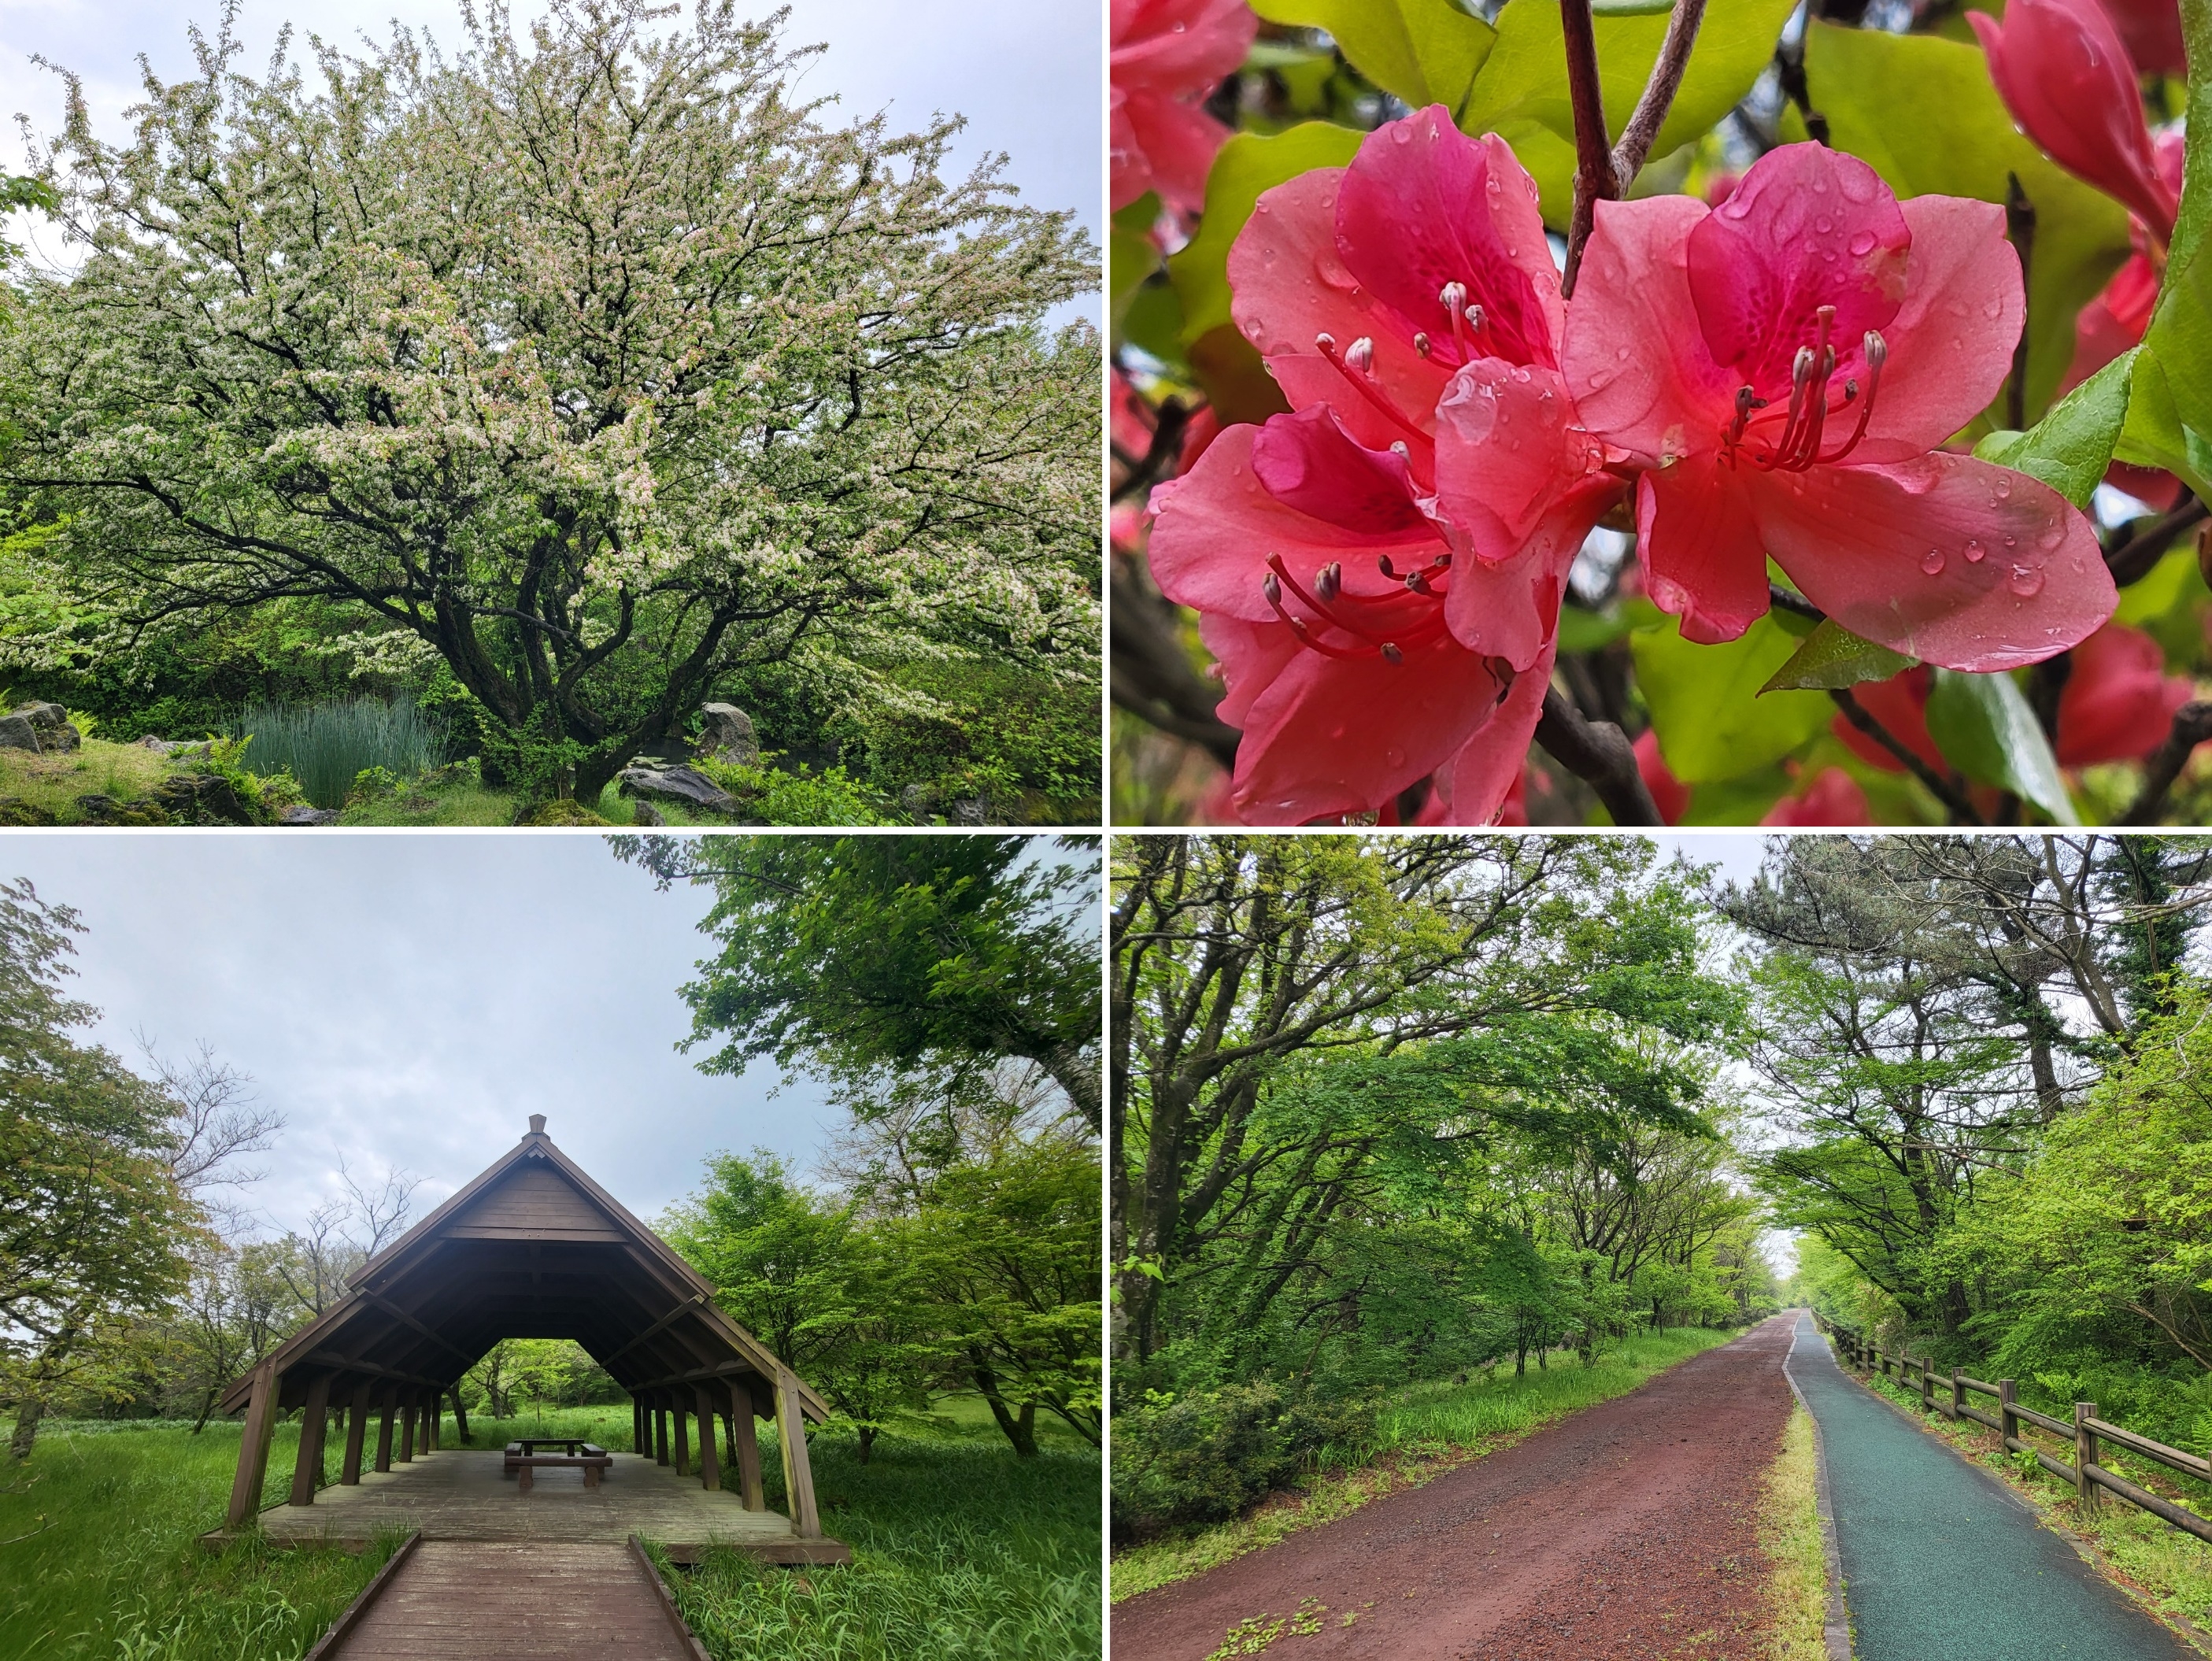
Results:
x,y
1789,1537
959,1548
123,771
1422,1431
2150,1559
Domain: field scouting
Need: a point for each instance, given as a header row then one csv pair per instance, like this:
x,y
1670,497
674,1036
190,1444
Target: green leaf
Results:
x,y
2070,449
1248,164
1523,82
1923,113
2171,424
1832,656
1426,52
1131,255
1706,705
1984,727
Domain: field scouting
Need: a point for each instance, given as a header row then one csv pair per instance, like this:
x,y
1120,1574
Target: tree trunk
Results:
x,y
460,1421
1020,1430
867,1442
28,1412
1077,1073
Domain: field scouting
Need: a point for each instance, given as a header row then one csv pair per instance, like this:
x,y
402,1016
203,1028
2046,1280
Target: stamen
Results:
x,y
1798,445
1421,343
1328,581
1369,620
1354,365
1383,564
1391,654
1359,356
1877,354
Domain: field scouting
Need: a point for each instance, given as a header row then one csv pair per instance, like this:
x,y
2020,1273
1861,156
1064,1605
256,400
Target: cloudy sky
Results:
x,y
1027,74
412,1000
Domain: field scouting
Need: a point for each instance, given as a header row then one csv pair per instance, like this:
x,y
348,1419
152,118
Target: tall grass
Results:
x,y
324,745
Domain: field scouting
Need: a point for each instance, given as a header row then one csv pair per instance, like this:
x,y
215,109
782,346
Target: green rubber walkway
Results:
x,y
1941,1563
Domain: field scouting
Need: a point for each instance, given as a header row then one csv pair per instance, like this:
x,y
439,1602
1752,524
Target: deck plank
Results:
x,y
518,1601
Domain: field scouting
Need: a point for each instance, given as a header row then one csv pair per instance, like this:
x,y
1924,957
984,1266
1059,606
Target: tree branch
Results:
x,y
2130,559
1650,112
1962,811
1598,753
2192,725
1593,167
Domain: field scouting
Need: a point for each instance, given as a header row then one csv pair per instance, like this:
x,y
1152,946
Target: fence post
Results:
x,y
1927,1387
2085,1455
1957,1395
2006,1416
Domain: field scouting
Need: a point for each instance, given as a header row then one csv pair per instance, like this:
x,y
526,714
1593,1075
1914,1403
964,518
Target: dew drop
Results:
x,y
2010,541
1621,352
1931,562
2004,488
1975,551
2025,580
1862,244
1824,224
1400,133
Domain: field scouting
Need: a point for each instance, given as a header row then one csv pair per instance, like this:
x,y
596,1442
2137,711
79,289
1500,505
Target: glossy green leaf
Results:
x,y
1706,705
1131,256
1248,164
1832,656
1524,81
2171,425
1923,112
1984,727
1426,51
2070,449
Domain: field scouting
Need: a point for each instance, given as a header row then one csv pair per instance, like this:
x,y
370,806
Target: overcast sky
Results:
x,y
1027,74
412,1000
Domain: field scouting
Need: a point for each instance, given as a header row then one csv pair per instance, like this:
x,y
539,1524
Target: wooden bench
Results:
x,y
523,1458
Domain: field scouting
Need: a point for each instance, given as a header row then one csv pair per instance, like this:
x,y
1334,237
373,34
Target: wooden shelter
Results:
x,y
532,1248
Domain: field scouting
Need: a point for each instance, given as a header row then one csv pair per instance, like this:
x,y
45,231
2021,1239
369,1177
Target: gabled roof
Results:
x,y
531,1248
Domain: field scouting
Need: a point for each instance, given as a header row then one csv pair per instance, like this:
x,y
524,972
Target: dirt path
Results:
x,y
1624,1533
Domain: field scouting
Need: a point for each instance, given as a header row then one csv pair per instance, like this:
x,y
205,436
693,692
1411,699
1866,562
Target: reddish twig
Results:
x,y
1594,169
2192,725
1650,112
1598,753
2130,559
1962,811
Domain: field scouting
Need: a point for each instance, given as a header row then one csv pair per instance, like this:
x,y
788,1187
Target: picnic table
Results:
x,y
523,1458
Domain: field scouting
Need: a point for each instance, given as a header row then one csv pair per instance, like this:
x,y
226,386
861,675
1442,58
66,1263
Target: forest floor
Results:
x,y
1941,1556
961,1552
1628,1531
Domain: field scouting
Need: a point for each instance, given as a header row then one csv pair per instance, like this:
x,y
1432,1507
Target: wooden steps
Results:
x,y
453,1600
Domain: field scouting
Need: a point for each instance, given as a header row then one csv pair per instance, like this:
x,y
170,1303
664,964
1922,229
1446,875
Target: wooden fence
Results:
x,y
1948,1396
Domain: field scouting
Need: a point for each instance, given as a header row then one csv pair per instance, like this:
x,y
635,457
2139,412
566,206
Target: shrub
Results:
x,y
327,746
1204,1457
772,796
1002,730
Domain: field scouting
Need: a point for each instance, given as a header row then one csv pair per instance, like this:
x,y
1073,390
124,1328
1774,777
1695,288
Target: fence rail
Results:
x,y
2083,1432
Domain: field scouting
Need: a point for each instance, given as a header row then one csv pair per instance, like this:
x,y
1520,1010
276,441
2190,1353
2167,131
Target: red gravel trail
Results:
x,y
1625,1532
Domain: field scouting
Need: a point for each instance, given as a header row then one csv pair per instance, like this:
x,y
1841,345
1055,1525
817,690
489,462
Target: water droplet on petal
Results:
x,y
1862,244
2025,580
1621,352
1824,224
2004,488
1931,562
1400,133
1975,551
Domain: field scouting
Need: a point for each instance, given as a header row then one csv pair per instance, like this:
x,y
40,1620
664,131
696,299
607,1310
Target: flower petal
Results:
x,y
1950,342
1702,557
1951,560
1288,286
1178,141
2118,702
1474,786
1805,227
1833,799
1423,204
1634,358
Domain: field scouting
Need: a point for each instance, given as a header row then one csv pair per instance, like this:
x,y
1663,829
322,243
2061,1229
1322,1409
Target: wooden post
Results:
x,y
460,1416
1958,1395
798,1474
1927,1388
307,1469
659,1432
636,1425
2085,1455
745,1449
384,1427
357,1430
710,1466
407,1429
254,1445
433,1412
2007,1419
682,1450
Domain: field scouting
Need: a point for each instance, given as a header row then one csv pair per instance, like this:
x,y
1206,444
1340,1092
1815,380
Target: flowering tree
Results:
x,y
591,363
1666,413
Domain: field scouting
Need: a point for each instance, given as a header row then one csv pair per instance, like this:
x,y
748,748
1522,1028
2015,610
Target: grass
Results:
x,y
123,771
960,1549
99,1560
2145,1557
1421,1432
1789,1539
324,745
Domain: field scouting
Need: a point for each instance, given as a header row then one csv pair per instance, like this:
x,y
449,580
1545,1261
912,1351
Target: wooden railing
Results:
x,y
1948,1396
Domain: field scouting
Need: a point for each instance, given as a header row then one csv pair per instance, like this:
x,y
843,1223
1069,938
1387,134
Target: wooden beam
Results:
x,y
405,1319
339,1363
746,1448
724,1370
683,1443
384,1427
254,1445
356,1429
407,1429
674,1315
307,1469
798,1472
710,1465
660,1432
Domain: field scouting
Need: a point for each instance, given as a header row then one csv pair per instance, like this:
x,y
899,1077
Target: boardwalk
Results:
x,y
452,1599
1938,1559
462,1495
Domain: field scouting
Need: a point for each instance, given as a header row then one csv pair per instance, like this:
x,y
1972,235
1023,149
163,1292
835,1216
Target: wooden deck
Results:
x,y
462,1494
518,1602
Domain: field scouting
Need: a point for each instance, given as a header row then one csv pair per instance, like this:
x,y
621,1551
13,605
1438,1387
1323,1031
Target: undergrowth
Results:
x,y
1420,1431
1789,1539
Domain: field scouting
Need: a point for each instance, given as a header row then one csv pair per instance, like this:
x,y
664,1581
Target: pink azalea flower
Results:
x,y
2152,30
1379,573
2062,70
1782,368
1167,56
1833,799
2118,702
1669,793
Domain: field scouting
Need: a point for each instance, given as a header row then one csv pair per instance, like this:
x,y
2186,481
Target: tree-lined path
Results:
x,y
1626,1530
1941,1563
